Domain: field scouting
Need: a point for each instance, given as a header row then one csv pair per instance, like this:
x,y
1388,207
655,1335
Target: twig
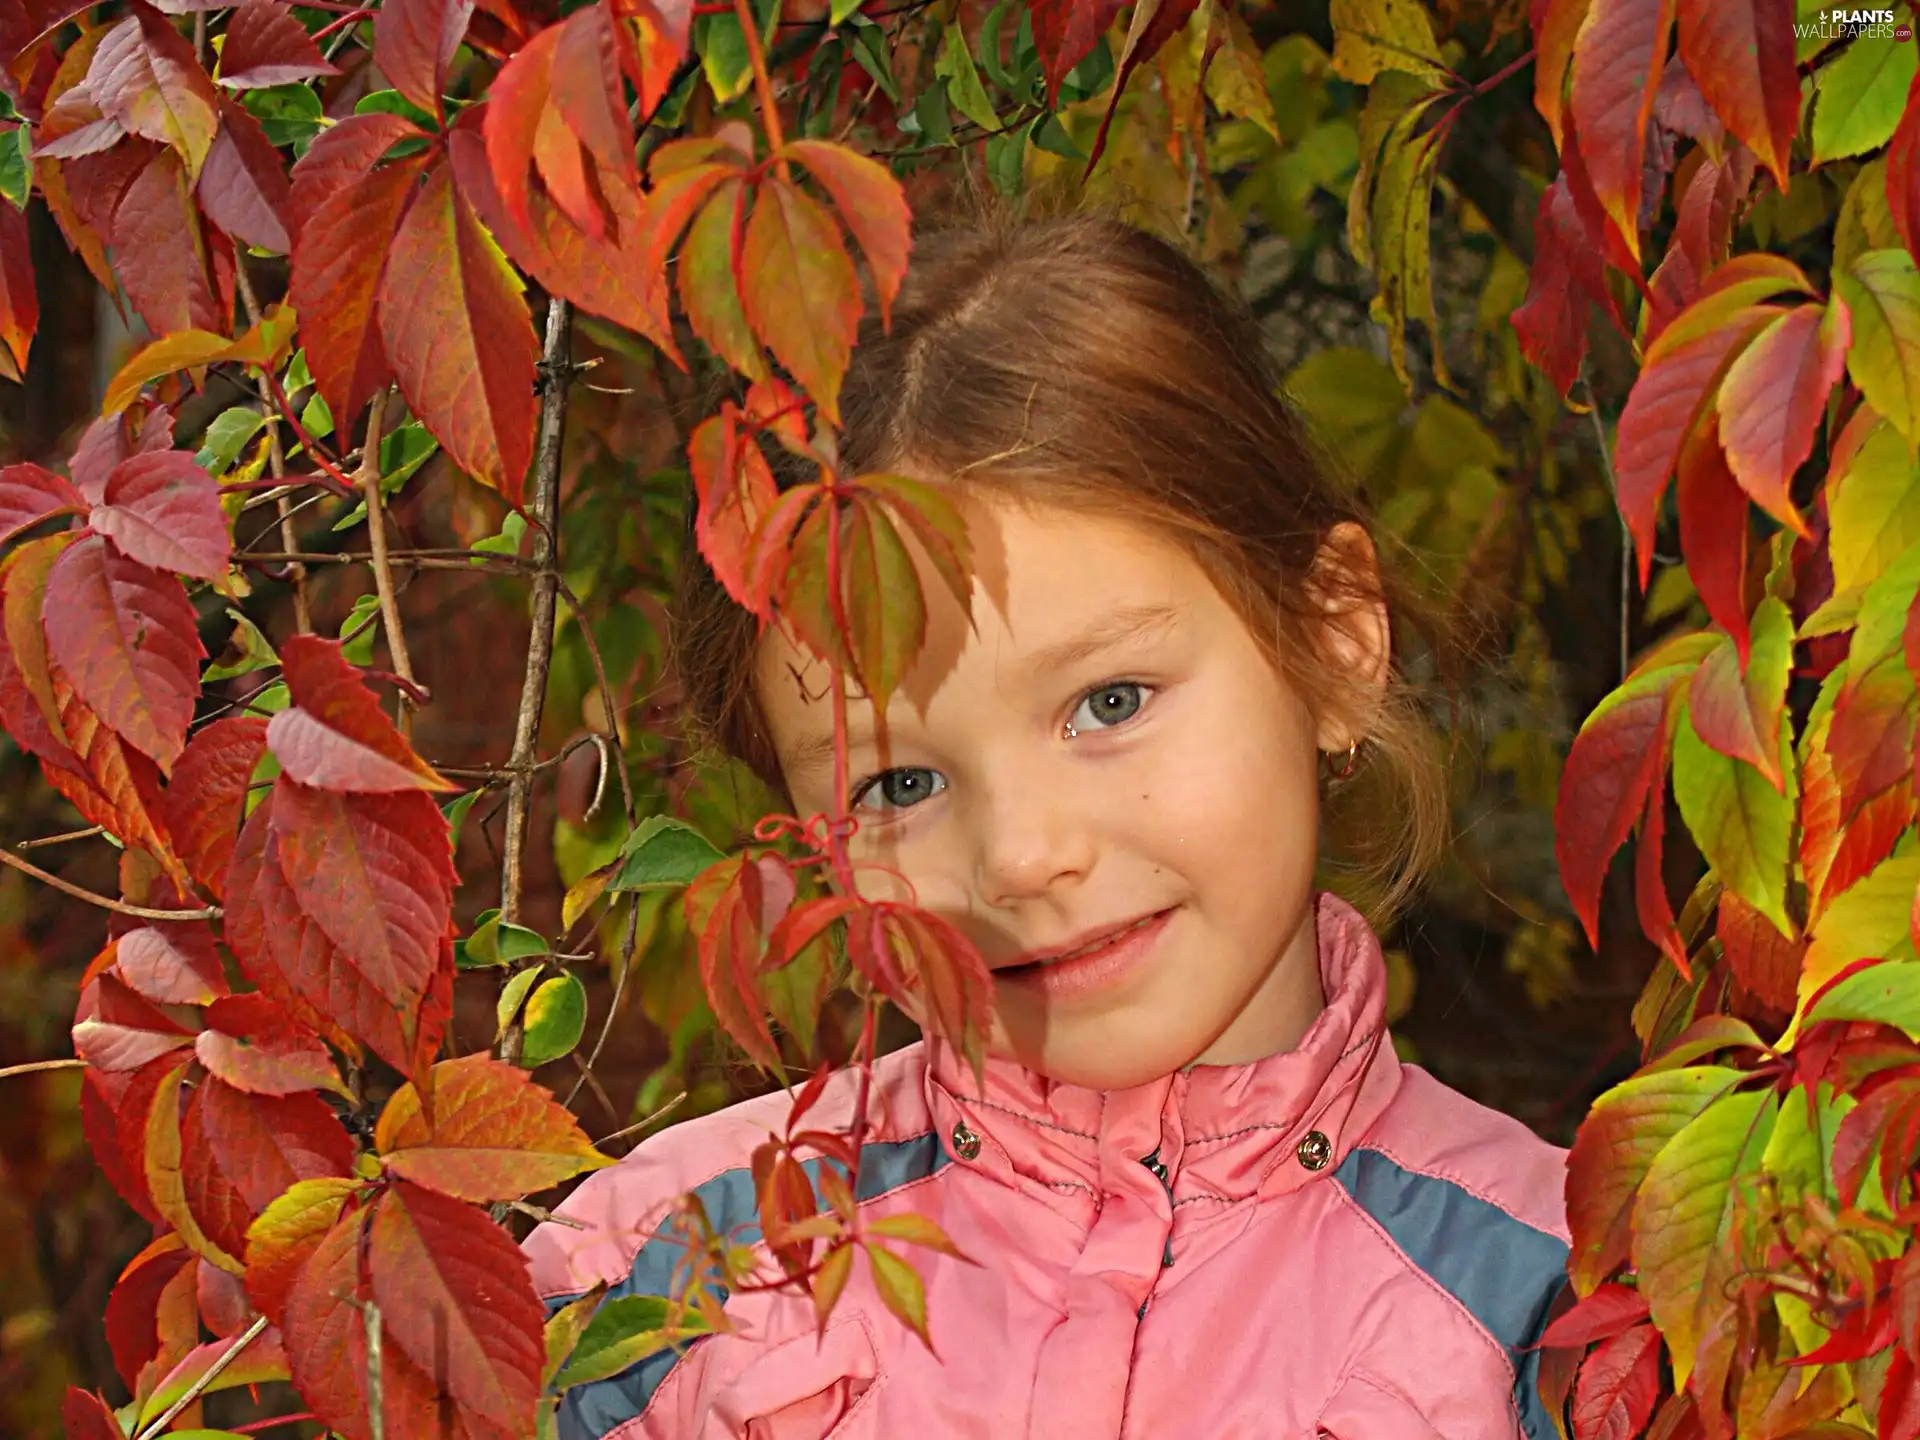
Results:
x,y
85,834
545,515
33,1065
459,558
119,907
277,464
762,81
382,570
613,1005
607,701
1626,535
199,1387
659,1114
376,1407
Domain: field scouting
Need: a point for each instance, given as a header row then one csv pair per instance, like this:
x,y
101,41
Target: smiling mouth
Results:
x,y
1101,942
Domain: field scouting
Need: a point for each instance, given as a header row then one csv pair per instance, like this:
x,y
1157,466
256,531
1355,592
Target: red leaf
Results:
x,y
111,439
338,909
222,1299
127,635
1605,1313
495,1135
121,787
1566,278
30,494
114,1029
311,1289
799,290
335,736
171,963
1899,1401
344,228
202,807
146,76
131,1332
731,907
664,28
217,1206
1614,761
1065,32
1773,398
590,98
414,42
243,186
103,1098
264,1143
455,1298
459,337
517,99
1617,59
1763,960
929,965
1671,393
286,1236
87,1417
872,206
1716,534
255,1046
266,46
1741,55
19,298
1903,171
1618,1386
1651,901
735,490
177,276
164,511
607,277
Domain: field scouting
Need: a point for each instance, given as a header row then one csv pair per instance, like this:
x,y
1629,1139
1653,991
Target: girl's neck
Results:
x,y
1281,1011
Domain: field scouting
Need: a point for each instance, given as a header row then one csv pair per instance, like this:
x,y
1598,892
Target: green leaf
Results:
x,y
1739,821
1886,994
507,542
839,10
564,1329
496,942
360,629
990,61
1048,134
954,64
1626,1130
392,102
289,114
403,450
1091,76
1882,290
1374,35
317,418
226,436
16,166
722,47
1006,161
930,114
1873,507
663,853
1683,1218
900,1287
870,48
556,1019
1799,1154
623,1332
456,812
1866,921
256,651
512,994
1859,97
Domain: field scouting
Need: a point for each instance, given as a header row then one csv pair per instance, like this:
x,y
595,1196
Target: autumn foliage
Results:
x,y
262,1029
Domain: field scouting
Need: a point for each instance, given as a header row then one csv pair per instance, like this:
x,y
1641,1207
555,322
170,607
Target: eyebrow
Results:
x,y
1128,623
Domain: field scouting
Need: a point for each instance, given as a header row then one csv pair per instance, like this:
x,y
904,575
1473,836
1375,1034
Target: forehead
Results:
x,y
1045,575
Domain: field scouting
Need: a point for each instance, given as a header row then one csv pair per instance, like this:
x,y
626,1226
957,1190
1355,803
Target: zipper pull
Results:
x,y
1159,1169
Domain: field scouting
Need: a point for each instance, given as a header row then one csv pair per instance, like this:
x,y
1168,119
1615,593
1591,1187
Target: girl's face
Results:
x,y
1104,783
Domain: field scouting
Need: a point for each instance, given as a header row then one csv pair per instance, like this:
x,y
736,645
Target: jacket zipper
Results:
x,y
1153,1163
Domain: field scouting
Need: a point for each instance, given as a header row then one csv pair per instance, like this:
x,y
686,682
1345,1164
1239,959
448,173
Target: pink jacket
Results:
x,y
1326,1242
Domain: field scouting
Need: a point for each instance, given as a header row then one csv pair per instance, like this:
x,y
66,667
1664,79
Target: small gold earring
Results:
x,y
1347,765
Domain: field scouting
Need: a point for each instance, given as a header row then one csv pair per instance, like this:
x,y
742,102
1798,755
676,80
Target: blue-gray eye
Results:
x,y
1106,707
899,789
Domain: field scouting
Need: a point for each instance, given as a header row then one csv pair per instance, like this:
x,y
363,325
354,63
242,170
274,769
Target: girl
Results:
x,y
1200,1196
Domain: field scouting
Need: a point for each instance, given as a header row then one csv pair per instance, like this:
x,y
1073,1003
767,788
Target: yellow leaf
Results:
x,y
1874,509
1236,83
1882,290
1374,35
261,347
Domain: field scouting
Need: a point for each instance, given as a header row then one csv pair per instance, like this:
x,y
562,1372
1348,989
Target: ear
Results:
x,y
1355,631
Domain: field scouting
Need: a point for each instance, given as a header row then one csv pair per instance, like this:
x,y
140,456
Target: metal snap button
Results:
x,y
966,1144
1314,1150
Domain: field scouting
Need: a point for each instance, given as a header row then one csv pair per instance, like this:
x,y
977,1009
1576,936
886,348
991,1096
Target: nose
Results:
x,y
1034,836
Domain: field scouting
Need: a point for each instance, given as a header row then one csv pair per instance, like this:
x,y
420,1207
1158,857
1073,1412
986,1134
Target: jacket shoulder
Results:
x,y
612,1226
1472,1202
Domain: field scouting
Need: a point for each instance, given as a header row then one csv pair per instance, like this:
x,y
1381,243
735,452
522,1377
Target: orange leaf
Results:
x,y
1618,56
414,43
203,806
164,1181
799,290
117,787
284,1238
735,491
459,337
1903,171
871,204
1556,24
177,274
19,299
146,76
1773,398
495,1135
1741,55
664,28
1763,959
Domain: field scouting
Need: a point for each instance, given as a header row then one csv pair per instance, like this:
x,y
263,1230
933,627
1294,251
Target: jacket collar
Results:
x,y
1222,1131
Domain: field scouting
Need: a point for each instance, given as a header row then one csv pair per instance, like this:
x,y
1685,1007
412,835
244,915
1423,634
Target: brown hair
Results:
x,y
1079,361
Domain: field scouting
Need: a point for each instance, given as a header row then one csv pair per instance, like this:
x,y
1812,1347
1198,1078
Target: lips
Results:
x,y
1098,940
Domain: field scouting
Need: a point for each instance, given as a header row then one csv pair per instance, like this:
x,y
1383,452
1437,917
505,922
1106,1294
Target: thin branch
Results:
x,y
1626,535
627,947
277,464
119,907
33,1065
659,1114
762,80
607,701
44,840
413,559
199,1387
382,570
376,1402
545,514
